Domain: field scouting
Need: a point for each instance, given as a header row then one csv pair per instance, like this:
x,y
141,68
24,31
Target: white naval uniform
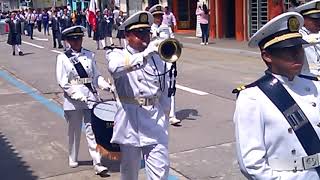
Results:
x,y
312,55
75,111
164,31
140,129
263,134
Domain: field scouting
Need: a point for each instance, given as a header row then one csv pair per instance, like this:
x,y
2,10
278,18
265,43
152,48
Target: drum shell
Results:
x,y
103,131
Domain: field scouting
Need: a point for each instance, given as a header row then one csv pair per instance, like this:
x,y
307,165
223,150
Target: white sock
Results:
x,y
18,48
111,41
103,42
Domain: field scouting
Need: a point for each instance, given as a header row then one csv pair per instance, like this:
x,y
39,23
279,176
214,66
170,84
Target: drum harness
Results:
x,y
84,78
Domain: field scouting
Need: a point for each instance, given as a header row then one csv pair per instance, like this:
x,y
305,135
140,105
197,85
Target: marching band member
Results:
x,y
276,117
78,76
163,31
141,122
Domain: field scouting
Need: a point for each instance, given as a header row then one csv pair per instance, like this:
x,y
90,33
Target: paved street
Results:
x,y
33,134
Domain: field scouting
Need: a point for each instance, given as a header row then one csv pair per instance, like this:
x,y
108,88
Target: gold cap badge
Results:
x,y
293,24
143,18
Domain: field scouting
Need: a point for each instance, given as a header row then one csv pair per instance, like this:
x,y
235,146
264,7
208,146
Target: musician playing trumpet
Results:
x,y
141,80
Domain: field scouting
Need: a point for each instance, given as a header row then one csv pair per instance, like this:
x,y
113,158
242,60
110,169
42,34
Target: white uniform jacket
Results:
x,y
263,133
162,31
66,73
312,55
139,125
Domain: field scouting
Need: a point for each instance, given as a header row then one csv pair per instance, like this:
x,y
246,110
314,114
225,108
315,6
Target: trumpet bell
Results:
x,y
170,50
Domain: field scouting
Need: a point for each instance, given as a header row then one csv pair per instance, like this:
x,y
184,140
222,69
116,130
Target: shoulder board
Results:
x,y
243,87
312,78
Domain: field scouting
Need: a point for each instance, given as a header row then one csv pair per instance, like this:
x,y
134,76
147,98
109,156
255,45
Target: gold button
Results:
x,y
290,130
313,104
318,124
293,152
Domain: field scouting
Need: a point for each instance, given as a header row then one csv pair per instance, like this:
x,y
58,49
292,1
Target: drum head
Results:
x,y
105,110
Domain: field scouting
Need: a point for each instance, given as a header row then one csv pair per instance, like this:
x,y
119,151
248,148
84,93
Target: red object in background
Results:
x,y
6,28
92,15
275,7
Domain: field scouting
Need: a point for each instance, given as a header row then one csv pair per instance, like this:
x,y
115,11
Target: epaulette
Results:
x,y
242,87
312,78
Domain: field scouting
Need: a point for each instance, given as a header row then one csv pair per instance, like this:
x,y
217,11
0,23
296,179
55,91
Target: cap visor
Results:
x,y
289,43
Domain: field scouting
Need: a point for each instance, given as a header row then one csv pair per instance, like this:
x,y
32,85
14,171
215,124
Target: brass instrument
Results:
x,y
170,50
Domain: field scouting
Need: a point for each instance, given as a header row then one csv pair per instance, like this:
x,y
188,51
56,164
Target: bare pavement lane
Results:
x,y
33,142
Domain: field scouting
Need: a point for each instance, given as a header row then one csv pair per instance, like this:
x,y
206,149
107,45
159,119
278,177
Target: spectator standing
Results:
x,y
39,20
45,22
89,26
31,19
109,26
120,34
204,23
56,30
65,22
169,19
98,35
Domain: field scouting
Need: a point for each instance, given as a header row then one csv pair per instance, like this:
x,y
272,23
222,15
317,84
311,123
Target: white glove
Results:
x,y
79,97
104,85
152,48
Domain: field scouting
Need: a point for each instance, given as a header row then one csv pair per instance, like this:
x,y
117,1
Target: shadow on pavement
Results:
x,y
187,114
11,164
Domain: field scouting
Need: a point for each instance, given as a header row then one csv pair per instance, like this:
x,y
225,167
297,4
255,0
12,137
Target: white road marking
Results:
x,y
40,39
34,45
201,93
55,51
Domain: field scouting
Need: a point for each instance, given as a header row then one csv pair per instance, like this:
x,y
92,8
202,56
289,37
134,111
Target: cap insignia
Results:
x,y
293,24
158,8
143,18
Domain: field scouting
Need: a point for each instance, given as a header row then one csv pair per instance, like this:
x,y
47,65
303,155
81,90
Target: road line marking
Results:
x,y
201,93
55,51
31,44
40,39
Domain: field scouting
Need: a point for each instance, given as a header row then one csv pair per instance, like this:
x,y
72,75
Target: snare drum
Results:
x,y
102,125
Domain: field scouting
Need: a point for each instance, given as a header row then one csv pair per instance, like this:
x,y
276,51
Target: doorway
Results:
x,y
229,23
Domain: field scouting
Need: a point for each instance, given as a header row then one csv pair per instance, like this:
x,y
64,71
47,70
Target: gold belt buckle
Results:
x,y
142,101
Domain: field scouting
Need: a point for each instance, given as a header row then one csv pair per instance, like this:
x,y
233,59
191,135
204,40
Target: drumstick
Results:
x,y
114,92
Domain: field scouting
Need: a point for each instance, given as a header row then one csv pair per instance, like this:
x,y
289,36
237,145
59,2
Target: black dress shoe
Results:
x,y
13,53
60,47
20,53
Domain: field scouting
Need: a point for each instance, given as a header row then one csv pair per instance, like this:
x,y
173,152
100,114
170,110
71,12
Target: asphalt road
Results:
x,y
33,141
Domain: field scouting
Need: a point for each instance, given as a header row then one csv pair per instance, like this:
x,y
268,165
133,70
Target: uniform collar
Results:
x,y
75,52
305,30
131,50
285,80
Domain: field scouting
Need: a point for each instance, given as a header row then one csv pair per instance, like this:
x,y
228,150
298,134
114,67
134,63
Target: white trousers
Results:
x,y
173,107
74,119
156,158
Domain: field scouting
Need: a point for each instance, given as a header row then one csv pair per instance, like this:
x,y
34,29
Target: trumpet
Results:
x,y
170,50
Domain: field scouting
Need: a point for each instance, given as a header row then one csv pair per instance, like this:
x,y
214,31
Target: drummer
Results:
x,y
141,122
78,76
